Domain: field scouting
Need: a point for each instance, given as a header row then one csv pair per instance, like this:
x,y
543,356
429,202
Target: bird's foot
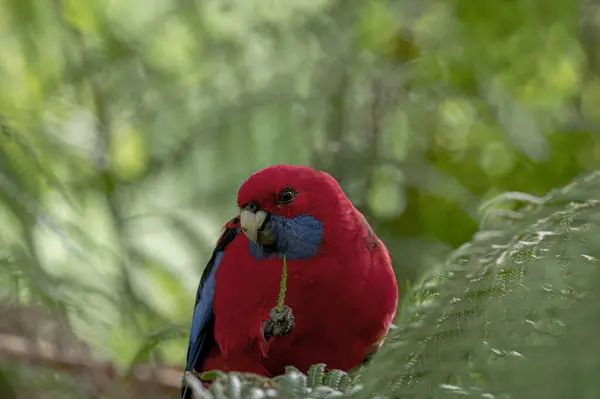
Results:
x,y
279,323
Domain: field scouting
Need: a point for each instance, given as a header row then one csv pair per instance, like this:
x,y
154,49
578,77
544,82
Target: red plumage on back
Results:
x,y
341,286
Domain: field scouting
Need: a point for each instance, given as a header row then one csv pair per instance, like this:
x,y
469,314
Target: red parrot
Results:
x,y
341,294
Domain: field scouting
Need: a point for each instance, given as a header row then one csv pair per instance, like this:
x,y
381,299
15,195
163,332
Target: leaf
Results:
x,y
152,341
316,375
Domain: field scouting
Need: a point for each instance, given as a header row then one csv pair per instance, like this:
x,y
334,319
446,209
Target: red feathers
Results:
x,y
343,295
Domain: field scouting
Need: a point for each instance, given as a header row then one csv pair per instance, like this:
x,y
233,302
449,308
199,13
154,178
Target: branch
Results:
x,y
43,354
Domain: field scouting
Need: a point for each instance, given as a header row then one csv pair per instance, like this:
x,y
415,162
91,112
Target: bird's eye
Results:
x,y
286,196
252,207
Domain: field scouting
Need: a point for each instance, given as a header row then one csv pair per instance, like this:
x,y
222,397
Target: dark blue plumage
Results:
x,y
297,238
201,333
202,311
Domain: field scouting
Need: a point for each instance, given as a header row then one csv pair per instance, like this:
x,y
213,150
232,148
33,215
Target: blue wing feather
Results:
x,y
202,311
201,332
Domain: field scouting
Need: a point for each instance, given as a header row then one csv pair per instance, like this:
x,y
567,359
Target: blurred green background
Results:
x,y
126,128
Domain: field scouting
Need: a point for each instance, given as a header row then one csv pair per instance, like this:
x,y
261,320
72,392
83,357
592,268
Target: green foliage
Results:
x,y
513,313
144,352
316,384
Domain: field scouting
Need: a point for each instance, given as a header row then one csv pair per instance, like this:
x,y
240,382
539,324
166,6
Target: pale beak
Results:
x,y
253,226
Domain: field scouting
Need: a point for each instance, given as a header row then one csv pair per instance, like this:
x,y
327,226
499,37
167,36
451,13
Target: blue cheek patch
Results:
x,y
297,238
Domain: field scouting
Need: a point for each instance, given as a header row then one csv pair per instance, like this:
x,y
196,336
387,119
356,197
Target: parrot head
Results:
x,y
283,209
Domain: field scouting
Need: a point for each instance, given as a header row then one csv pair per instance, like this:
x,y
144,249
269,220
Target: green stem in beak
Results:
x,y
282,286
